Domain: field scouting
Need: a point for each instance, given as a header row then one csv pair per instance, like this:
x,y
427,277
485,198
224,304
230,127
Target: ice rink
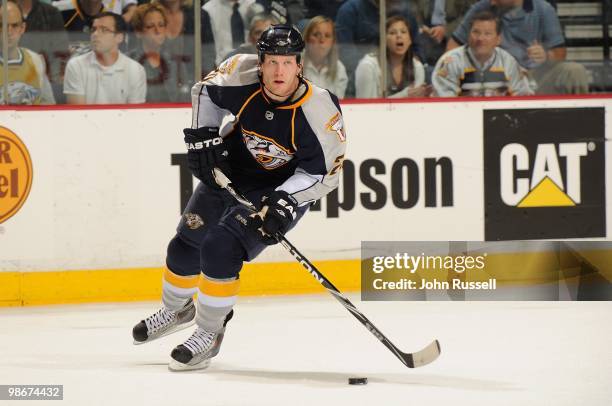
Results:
x,y
300,350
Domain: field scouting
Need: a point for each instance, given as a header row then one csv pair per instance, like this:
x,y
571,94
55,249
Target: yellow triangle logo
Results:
x,y
546,194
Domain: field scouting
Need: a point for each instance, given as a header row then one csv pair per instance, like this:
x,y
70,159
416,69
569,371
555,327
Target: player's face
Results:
x,y
483,39
320,41
280,74
398,38
16,26
154,29
104,38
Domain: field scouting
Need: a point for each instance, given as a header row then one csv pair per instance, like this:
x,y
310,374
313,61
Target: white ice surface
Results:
x,y
301,350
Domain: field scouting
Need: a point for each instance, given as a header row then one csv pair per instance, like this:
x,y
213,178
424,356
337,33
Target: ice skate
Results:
x,y
164,322
196,352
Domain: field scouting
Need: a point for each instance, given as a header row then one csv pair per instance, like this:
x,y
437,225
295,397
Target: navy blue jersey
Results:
x,y
297,146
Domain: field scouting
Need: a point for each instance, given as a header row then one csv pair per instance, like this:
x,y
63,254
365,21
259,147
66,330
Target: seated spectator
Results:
x,y
357,29
531,32
27,81
104,75
180,42
46,36
437,21
405,73
164,82
321,63
259,24
480,68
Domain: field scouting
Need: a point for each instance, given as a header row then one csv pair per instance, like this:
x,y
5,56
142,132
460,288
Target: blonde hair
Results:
x,y
141,12
331,60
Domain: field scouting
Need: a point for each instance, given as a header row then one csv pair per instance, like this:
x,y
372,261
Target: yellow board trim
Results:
x,y
138,284
185,282
219,288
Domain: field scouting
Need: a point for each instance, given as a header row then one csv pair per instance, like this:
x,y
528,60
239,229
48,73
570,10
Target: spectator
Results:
x,y
28,83
480,68
104,75
180,31
321,63
405,73
357,29
46,36
164,82
259,24
228,19
531,32
437,20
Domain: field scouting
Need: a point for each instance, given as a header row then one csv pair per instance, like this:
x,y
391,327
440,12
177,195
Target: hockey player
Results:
x,y
284,149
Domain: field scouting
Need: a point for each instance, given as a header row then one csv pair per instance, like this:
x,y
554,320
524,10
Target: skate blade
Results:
x,y
167,332
176,366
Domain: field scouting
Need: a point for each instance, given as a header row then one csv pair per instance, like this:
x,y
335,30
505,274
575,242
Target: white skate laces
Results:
x,y
200,341
160,319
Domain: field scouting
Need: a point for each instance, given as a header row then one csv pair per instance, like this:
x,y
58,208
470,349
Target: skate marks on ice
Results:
x,y
226,372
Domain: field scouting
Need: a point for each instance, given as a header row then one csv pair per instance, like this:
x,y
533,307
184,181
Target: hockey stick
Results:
x,y
411,360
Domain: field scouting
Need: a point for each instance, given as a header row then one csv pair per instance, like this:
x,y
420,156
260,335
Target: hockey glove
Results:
x,y
205,150
278,212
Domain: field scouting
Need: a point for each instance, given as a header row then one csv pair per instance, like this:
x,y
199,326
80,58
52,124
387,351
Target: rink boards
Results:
x,y
90,197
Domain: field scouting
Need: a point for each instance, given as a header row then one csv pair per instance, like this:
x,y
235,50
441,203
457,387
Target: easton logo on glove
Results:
x,y
204,144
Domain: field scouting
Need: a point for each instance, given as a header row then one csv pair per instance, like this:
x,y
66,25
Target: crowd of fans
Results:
x,y
120,51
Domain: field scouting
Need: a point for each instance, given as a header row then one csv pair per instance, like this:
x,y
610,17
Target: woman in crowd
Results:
x,y
166,81
405,73
321,63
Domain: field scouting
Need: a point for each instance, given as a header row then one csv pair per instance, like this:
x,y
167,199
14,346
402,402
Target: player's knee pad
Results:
x,y
221,254
183,258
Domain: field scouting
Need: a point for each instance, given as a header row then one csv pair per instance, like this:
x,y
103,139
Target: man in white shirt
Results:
x,y
104,75
225,18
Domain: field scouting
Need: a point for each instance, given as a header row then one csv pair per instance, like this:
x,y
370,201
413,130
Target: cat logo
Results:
x,y
265,150
545,187
336,125
15,174
193,220
544,173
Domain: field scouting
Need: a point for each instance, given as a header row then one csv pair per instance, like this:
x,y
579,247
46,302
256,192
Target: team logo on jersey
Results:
x,y
336,125
15,174
269,115
228,66
543,179
193,221
265,150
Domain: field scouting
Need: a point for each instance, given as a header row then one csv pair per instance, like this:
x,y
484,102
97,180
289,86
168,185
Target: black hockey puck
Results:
x,y
358,381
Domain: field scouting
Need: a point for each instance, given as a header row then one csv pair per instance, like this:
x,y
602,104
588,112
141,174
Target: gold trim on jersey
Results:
x,y
248,101
301,100
293,130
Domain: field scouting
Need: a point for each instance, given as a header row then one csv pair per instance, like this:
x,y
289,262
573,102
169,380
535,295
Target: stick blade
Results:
x,y
423,357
